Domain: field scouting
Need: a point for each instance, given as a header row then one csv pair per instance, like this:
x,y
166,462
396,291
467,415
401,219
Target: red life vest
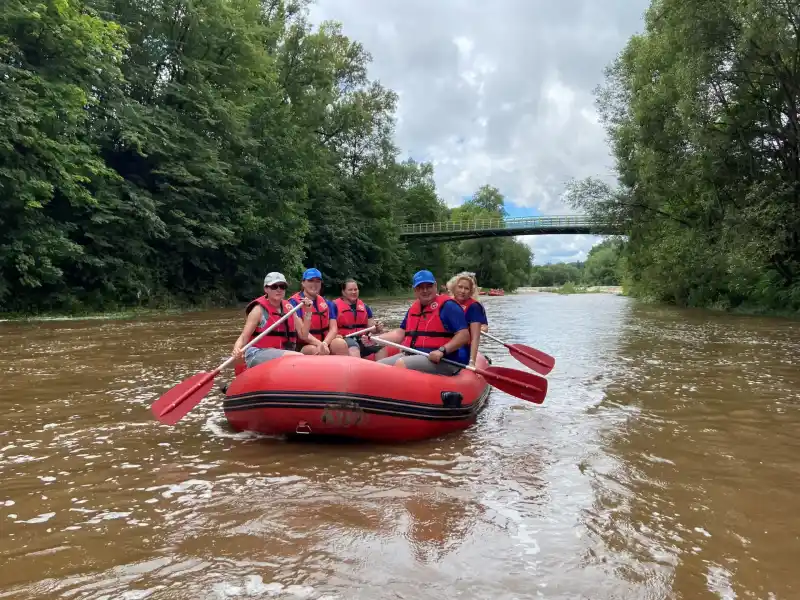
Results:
x,y
350,317
467,303
283,337
320,318
424,327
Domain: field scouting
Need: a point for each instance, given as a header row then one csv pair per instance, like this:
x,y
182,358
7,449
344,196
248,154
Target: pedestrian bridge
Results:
x,y
451,231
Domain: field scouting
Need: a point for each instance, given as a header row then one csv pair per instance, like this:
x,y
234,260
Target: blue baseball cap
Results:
x,y
311,274
421,277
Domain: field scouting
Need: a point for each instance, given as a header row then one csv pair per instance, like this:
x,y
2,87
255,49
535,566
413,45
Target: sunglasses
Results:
x,y
277,286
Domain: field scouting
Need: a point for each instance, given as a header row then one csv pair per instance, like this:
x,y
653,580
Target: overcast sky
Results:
x,y
497,93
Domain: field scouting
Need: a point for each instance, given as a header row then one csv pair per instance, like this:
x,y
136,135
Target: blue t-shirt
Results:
x,y
332,314
453,319
476,314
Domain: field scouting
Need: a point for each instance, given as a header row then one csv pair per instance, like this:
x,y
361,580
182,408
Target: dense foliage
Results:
x,y
703,112
173,152
604,265
497,262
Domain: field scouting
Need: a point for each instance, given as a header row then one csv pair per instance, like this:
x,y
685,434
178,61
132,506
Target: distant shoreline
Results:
x,y
590,289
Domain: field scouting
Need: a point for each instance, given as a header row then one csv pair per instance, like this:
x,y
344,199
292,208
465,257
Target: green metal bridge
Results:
x,y
451,231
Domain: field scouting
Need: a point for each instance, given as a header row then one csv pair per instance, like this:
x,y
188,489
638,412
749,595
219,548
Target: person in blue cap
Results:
x,y
323,335
435,324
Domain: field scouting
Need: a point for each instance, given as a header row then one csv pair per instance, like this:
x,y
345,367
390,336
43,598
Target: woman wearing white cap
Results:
x,y
283,339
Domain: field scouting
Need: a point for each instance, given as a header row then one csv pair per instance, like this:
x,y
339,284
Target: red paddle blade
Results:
x,y
532,358
174,405
526,386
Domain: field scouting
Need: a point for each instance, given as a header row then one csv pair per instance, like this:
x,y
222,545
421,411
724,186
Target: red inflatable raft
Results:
x,y
353,397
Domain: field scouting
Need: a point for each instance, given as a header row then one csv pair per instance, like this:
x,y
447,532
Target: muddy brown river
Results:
x,y
664,464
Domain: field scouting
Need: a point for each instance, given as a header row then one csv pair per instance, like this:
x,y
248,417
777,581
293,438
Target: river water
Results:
x,y
664,463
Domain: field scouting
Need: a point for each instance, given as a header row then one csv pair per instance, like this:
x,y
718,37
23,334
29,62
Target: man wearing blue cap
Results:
x,y
322,336
435,324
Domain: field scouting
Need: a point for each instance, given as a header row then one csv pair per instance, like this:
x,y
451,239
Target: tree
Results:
x,y
702,113
497,262
603,263
164,152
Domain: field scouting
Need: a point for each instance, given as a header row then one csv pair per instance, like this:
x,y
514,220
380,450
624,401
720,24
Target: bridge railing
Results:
x,y
495,224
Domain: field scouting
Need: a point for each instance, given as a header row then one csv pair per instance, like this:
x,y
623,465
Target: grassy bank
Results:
x,y
571,288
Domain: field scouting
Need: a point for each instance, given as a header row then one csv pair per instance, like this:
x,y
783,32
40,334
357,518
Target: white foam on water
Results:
x,y
253,586
186,485
217,428
718,581
107,516
529,544
43,518
703,531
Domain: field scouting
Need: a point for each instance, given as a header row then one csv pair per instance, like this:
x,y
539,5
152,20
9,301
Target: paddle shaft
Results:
x,y
362,332
452,362
230,360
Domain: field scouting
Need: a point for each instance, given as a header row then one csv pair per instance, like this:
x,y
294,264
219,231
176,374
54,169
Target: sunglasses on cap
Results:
x,y
277,286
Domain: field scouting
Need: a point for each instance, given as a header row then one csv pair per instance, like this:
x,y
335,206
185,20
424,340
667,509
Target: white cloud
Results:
x,y
560,248
498,93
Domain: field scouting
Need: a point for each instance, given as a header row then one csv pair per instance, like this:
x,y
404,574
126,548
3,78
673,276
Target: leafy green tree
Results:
x,y
702,113
58,64
556,274
168,152
501,262
603,264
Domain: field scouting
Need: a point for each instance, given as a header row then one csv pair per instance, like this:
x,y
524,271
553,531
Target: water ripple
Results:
x,y
662,465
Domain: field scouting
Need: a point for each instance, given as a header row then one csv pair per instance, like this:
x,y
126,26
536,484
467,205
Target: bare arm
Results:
x,y
459,339
333,331
373,322
301,327
475,332
395,335
247,332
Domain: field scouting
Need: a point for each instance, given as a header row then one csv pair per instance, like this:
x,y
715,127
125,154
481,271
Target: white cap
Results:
x,y
273,278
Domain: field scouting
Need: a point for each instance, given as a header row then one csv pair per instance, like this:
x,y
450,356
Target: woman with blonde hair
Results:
x,y
463,287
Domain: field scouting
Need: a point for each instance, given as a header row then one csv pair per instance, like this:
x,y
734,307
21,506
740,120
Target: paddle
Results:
x,y
361,332
173,406
537,360
525,386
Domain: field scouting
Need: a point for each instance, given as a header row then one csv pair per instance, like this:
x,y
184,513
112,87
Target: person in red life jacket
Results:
x,y
354,315
271,307
322,336
435,324
464,290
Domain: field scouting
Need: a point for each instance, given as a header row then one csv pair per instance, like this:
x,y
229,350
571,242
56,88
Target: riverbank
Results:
x,y
177,309
172,309
100,316
570,288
